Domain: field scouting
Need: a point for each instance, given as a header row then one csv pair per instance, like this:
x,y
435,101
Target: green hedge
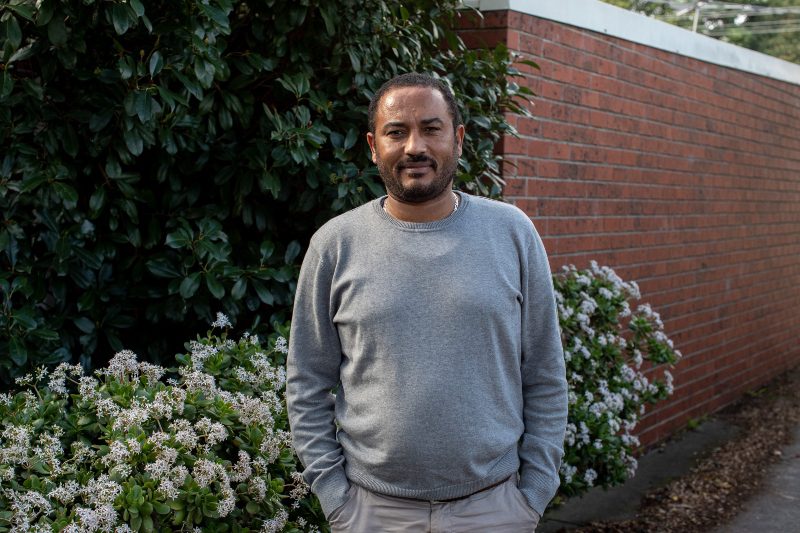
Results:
x,y
161,160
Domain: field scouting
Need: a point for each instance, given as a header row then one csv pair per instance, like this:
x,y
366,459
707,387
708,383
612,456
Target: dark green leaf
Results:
x,y
69,140
181,238
204,71
6,84
292,251
193,88
45,13
352,137
91,260
97,200
263,293
215,14
18,351
239,289
137,6
143,104
162,268
127,68
354,60
189,285
120,18
83,278
23,10
26,52
225,119
214,286
113,341
134,142
57,31
270,183
84,324
100,120
46,335
171,98
13,33
22,317
328,13
266,249
156,63
66,192
113,170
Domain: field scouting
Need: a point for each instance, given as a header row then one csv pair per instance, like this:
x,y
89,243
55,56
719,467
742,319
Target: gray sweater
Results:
x,y
440,344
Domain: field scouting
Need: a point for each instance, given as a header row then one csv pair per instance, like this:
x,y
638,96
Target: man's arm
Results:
x,y
312,372
544,384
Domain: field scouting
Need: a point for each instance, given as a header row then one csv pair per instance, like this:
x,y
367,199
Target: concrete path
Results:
x,y
656,468
776,508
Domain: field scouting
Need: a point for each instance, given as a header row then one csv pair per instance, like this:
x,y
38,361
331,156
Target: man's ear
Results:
x,y
371,143
460,138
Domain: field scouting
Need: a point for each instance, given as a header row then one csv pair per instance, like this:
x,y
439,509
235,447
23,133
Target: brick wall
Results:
x,y
681,175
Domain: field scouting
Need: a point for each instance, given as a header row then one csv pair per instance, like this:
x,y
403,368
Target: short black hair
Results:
x,y
415,79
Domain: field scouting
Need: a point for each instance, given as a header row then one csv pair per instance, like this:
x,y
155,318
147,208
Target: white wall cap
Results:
x,y
617,22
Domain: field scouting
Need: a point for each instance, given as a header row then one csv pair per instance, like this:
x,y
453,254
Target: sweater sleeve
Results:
x,y
544,384
312,373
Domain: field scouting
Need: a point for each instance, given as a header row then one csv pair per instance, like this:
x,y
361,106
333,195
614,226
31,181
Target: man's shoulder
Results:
x,y
501,212
344,226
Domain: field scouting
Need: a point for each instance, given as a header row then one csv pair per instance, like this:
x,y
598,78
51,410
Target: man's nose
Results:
x,y
415,143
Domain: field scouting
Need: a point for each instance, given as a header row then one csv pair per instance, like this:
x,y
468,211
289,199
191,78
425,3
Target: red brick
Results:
x,y
679,174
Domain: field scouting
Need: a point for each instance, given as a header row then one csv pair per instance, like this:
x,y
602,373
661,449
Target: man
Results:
x,y
430,314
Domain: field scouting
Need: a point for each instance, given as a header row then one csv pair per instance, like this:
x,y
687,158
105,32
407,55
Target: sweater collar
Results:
x,y
463,204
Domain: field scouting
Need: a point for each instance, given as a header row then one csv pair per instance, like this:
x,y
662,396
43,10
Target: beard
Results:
x,y
417,192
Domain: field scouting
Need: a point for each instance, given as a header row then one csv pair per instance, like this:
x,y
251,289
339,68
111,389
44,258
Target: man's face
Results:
x,y
414,145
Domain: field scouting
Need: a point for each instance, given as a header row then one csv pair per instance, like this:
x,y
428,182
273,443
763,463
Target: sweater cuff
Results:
x,y
538,492
331,490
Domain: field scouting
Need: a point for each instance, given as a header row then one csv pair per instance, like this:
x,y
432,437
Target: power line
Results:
x,y
711,7
754,31
714,13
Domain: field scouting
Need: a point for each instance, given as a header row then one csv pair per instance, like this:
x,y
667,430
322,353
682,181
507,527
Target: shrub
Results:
x,y
126,450
209,446
162,159
607,371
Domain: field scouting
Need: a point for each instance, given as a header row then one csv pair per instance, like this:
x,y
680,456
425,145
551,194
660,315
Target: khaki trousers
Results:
x,y
501,509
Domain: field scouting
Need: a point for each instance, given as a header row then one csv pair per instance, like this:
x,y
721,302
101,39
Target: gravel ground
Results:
x,y
717,487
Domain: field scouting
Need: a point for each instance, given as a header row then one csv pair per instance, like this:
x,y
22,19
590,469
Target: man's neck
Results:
x,y
429,211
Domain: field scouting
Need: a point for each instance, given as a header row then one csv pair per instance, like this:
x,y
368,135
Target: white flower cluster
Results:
x,y
206,472
125,367
25,508
58,378
608,387
301,488
201,352
222,321
188,434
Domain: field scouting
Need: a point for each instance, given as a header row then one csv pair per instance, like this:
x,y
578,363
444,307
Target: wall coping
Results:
x,y
617,22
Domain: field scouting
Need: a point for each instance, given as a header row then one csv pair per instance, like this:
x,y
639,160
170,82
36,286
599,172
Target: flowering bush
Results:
x,y
208,448
608,388
123,450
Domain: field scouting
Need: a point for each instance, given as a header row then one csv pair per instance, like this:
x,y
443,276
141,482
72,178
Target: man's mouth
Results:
x,y
417,165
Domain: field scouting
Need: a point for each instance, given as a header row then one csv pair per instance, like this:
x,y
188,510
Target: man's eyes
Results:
x,y
427,129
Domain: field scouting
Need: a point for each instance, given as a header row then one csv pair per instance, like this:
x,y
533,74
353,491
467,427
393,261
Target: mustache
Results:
x,y
416,159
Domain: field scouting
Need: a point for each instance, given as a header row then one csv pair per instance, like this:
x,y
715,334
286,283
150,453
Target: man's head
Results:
x,y
415,79
415,137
